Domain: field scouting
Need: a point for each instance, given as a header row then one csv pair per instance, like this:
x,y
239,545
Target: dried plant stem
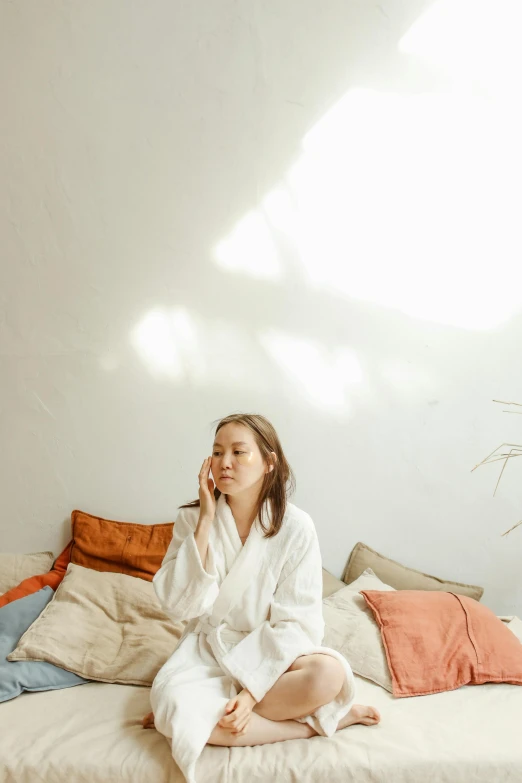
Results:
x,y
503,469
512,528
513,445
515,451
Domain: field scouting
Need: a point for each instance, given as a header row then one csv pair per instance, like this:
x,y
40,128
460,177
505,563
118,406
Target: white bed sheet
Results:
x,y
92,734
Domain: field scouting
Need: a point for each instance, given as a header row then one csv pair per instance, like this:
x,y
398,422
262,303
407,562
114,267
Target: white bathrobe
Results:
x,y
253,610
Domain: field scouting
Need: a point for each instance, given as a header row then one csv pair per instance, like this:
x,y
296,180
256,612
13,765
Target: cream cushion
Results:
x,y
14,568
102,626
109,627
351,629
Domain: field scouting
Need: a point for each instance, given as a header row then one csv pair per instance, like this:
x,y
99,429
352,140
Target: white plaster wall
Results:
x,y
289,208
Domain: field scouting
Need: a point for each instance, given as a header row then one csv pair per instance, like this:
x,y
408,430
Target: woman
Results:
x,y
244,569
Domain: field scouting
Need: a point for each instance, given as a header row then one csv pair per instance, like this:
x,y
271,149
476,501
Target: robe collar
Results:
x,y
242,561
229,527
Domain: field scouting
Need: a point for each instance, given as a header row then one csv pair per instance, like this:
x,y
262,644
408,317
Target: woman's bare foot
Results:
x,y
148,721
359,713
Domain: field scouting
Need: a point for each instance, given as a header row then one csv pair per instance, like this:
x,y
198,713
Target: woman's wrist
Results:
x,y
248,692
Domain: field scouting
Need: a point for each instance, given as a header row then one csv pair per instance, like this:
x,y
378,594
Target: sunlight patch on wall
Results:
x,y
477,42
324,377
250,249
417,216
411,200
185,348
169,345
280,210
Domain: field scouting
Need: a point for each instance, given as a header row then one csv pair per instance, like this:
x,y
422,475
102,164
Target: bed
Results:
x,y
93,733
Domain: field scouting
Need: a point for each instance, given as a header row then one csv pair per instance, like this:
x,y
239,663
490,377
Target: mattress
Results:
x,y
92,733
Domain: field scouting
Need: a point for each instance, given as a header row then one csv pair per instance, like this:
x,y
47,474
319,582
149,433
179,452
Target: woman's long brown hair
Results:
x,y
278,484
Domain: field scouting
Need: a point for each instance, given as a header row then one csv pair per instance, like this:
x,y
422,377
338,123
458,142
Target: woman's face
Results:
x,y
237,463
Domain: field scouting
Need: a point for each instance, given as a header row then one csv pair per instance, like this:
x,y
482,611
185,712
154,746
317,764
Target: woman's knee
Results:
x,y
325,676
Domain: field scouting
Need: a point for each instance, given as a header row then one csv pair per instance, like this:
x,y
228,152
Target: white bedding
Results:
x,y
92,734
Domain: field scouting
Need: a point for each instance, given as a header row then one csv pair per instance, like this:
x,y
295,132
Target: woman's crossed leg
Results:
x,y
310,682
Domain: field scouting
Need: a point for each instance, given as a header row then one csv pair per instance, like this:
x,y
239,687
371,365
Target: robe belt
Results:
x,y
226,634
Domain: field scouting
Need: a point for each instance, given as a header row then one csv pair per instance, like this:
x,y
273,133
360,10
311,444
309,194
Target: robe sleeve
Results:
x,y
295,625
184,588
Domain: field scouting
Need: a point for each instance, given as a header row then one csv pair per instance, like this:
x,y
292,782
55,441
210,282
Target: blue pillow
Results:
x,y
18,676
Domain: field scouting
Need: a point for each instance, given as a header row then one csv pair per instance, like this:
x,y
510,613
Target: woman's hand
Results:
x,y
238,712
207,501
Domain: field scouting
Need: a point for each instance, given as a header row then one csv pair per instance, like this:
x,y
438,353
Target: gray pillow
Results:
x,y
18,676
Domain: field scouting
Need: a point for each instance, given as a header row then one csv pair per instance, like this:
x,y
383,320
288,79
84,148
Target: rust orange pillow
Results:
x,y
438,641
34,583
120,547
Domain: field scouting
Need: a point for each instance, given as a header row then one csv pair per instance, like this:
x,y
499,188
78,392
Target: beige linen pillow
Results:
x,y
400,577
350,628
330,583
102,626
17,567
